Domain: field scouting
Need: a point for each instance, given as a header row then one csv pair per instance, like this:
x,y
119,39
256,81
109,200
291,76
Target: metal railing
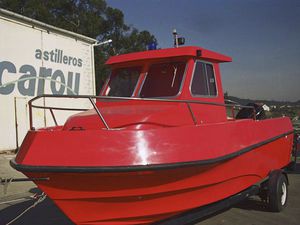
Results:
x,y
98,111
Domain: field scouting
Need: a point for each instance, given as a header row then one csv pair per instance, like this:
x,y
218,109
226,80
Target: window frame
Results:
x,y
192,78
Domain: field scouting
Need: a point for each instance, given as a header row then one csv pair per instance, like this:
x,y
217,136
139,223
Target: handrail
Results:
x,y
91,97
99,113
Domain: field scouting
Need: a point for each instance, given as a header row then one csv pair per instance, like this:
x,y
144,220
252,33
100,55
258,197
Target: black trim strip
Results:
x,y
76,169
195,215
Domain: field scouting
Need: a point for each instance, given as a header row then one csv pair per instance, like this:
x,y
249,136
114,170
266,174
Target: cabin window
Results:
x,y
123,82
163,80
204,82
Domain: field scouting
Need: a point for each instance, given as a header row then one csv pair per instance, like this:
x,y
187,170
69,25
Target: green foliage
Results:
x,y
92,18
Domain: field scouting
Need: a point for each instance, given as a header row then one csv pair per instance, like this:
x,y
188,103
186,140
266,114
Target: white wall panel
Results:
x,y
36,61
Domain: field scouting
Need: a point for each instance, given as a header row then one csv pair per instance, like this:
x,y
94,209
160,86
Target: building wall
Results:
x,y
35,61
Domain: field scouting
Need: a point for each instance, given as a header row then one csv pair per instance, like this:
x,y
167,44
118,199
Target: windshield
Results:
x,y
163,80
123,82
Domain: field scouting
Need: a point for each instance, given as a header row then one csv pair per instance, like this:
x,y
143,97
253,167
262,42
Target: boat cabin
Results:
x,y
184,73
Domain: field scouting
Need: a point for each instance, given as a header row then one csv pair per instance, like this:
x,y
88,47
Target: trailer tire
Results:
x,y
278,192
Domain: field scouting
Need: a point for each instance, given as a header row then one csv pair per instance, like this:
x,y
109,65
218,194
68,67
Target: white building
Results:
x,y
37,58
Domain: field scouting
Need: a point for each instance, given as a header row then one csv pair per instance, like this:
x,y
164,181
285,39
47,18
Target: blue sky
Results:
x,y
262,36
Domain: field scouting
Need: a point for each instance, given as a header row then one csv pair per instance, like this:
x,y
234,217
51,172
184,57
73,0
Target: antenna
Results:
x,y
177,40
175,35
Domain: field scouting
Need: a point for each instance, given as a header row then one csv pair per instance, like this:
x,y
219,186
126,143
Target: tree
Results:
x,y
92,18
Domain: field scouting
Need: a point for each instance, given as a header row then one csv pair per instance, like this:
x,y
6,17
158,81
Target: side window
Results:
x,y
204,82
199,83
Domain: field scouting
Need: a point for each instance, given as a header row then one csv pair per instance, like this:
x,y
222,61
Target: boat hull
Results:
x,y
150,201
144,196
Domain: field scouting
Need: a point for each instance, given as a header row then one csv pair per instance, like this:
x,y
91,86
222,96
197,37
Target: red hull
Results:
x,y
137,195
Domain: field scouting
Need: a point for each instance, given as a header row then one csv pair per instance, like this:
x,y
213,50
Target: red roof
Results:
x,y
189,51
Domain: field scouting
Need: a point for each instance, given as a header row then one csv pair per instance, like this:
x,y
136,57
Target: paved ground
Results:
x,y
248,212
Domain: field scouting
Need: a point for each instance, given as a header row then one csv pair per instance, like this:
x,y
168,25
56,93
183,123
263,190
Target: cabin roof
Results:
x,y
189,51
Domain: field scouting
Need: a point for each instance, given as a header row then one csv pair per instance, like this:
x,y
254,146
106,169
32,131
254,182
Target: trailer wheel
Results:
x,y
278,192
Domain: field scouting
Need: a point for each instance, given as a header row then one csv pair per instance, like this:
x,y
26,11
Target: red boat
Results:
x,y
157,142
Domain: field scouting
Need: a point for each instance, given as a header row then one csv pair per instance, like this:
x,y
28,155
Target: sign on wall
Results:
x,y
35,61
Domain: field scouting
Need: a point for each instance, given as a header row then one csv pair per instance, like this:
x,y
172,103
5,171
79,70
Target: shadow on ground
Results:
x,y
45,213
295,169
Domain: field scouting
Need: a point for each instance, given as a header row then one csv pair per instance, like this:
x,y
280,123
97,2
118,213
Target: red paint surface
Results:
x,y
148,196
162,54
128,147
